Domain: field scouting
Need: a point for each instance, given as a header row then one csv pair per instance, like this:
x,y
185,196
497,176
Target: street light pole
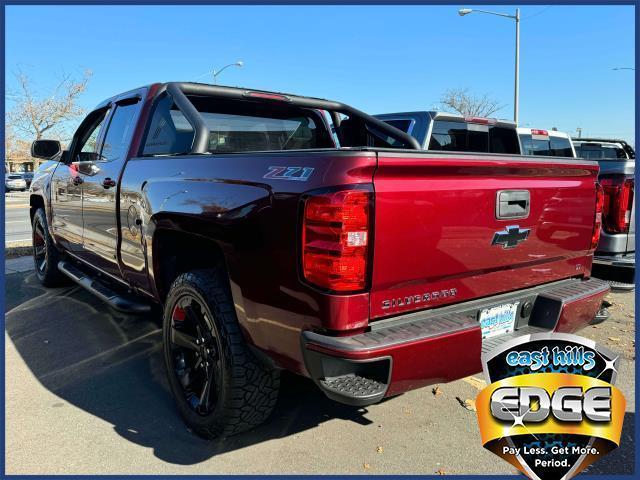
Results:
x,y
239,64
516,97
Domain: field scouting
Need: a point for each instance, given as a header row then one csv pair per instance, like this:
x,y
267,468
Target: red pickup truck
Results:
x,y
284,232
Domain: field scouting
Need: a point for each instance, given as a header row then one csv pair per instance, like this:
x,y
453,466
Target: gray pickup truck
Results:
x,y
615,254
444,131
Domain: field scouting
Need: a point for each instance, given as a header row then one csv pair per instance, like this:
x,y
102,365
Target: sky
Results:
x,y
376,58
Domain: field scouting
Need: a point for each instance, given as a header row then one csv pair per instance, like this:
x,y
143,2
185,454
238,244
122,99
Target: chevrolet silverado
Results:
x,y
273,241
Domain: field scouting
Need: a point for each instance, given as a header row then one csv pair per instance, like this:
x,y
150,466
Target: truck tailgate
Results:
x,y
437,240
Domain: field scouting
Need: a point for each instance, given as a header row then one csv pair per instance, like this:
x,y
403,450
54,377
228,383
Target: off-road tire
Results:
x,y
49,275
248,391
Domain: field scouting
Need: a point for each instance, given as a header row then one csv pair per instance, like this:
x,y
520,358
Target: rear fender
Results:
x,y
214,223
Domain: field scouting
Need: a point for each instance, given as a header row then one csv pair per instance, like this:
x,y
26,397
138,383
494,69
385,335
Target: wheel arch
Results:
x,y
36,202
176,251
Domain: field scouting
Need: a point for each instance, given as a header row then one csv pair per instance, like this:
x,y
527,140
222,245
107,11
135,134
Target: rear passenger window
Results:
x,y
169,132
236,127
121,125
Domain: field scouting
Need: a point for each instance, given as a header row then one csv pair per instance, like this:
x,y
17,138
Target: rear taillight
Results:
x,y
336,238
597,223
618,201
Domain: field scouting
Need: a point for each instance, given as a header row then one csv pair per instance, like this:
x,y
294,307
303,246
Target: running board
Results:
x,y
126,303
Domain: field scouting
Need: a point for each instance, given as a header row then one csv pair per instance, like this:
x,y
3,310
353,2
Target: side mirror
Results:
x,y
45,149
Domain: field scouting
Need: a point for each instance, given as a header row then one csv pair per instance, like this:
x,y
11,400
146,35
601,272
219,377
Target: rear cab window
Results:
x,y
461,136
401,124
545,144
600,151
236,126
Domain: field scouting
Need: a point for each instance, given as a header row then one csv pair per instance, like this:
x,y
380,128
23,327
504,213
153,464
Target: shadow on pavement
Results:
x,y
110,365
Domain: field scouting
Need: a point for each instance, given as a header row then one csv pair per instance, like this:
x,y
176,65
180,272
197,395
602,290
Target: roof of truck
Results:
x,y
550,133
599,140
160,86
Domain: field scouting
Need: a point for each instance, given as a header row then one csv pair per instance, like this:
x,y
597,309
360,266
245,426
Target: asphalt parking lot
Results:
x,y
86,394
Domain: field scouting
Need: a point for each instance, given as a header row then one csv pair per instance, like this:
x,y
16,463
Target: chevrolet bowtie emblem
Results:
x,y
510,237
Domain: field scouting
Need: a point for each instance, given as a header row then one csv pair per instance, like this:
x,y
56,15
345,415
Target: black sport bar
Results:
x,y
180,90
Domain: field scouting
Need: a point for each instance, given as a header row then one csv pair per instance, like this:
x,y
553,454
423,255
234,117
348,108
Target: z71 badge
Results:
x,y
299,174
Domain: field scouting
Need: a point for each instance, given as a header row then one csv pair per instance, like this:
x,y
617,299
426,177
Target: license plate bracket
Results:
x,y
498,319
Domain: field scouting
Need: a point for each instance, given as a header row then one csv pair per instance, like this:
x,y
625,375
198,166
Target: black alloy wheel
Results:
x,y
45,254
220,385
196,354
39,248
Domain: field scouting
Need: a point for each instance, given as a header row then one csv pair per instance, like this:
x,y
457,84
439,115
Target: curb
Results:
x,y
17,250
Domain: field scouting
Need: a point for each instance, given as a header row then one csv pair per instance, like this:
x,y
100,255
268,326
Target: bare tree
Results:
x,y
33,115
461,101
16,150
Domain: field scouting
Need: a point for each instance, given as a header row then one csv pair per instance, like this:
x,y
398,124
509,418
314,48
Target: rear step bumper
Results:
x,y
122,302
627,260
440,345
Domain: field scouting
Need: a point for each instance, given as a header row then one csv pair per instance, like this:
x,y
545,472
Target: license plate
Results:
x,y
498,320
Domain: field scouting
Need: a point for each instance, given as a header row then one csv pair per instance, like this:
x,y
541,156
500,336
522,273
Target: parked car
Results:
x,y
372,267
28,178
14,182
550,143
616,250
443,131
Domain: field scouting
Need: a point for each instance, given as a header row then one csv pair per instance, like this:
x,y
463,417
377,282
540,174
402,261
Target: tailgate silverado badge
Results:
x,y
415,299
510,237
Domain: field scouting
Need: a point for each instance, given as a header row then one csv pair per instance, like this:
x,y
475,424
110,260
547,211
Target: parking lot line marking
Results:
x,y
478,383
